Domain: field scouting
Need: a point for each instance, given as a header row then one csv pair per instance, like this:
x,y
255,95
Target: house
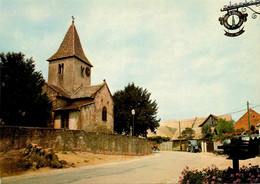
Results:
x,y
173,129
243,121
177,126
77,104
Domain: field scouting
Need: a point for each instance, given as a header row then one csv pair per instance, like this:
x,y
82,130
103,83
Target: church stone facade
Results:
x,y
77,104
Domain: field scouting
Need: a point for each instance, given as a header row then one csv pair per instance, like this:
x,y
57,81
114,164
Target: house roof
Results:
x,y
162,131
227,117
243,121
71,47
88,91
72,107
191,123
59,90
81,92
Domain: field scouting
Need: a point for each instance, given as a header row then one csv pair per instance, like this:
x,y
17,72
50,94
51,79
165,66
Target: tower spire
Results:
x,y
70,46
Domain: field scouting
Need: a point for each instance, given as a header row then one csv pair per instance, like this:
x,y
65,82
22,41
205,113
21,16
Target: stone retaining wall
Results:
x,y
72,140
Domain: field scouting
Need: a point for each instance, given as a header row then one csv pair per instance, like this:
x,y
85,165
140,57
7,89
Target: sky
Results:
x,y
176,50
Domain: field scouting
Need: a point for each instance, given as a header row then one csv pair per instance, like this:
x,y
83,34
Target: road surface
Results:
x,y
162,167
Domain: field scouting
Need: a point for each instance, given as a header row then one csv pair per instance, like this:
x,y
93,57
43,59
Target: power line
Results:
x,y
242,110
255,106
234,112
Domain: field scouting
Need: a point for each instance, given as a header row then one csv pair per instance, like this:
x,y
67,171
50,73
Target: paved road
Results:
x,y
163,167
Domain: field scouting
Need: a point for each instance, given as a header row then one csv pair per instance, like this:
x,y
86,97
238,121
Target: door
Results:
x,y
65,119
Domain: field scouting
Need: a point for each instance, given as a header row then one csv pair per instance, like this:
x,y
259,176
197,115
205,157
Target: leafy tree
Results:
x,y
137,98
240,130
224,126
158,139
23,103
187,134
207,131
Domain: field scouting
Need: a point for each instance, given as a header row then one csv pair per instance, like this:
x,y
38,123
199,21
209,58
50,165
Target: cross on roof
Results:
x,y
73,19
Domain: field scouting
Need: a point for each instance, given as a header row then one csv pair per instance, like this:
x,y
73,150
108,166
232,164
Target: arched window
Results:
x,y
104,114
61,68
82,71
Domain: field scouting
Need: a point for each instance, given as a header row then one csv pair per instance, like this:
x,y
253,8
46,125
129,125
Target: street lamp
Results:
x,y
133,113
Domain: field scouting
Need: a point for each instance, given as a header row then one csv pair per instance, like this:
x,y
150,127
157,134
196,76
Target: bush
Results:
x,y
207,132
214,175
158,139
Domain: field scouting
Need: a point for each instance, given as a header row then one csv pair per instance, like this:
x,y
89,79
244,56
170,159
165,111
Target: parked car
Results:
x,y
193,146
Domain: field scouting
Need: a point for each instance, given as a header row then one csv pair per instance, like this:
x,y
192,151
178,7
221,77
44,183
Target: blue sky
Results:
x,y
175,49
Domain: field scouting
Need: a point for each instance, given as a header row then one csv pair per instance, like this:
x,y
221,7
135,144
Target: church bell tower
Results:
x,y
69,68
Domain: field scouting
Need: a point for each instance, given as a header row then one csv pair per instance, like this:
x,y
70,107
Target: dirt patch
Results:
x,y
9,165
86,158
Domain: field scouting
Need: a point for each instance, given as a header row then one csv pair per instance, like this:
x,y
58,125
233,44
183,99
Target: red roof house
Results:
x,y
243,121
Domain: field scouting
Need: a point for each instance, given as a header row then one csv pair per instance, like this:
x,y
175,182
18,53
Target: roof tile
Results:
x,y
71,47
59,90
243,121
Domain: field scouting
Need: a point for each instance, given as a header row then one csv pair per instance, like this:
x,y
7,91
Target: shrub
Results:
x,y
214,175
158,139
187,134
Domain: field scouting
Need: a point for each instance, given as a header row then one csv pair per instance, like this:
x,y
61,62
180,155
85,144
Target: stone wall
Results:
x,y
72,140
176,145
103,98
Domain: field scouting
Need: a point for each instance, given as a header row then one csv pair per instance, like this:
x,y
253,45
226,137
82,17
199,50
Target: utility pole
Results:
x,y
249,126
180,134
131,131
1,123
133,125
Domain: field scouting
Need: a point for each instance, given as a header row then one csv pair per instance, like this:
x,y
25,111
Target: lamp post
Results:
x,y
133,113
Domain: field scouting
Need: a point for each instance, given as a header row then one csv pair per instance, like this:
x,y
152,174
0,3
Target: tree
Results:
x,y
159,139
187,134
240,129
224,126
23,103
206,131
145,118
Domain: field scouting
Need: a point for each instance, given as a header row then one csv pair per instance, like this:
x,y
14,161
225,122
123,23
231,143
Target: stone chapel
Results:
x,y
77,104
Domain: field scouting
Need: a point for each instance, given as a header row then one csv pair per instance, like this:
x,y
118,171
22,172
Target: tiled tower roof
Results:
x,y
71,47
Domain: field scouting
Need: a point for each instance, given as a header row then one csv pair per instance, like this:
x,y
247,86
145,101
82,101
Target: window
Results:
x,y
104,114
64,120
82,71
61,68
